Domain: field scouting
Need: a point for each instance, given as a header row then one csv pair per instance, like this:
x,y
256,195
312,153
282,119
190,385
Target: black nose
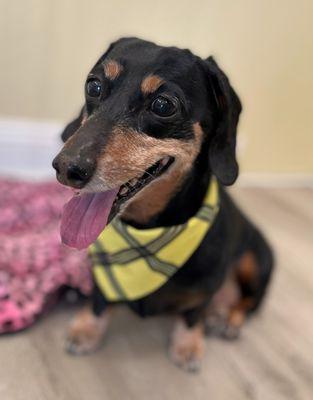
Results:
x,y
73,174
55,165
78,176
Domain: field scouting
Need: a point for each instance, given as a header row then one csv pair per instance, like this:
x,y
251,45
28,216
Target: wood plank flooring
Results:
x,y
273,360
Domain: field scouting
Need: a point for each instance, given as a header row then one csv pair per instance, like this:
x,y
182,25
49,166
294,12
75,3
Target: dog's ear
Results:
x,y
222,151
72,127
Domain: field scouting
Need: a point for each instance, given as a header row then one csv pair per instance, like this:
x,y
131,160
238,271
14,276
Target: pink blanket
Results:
x,y
34,265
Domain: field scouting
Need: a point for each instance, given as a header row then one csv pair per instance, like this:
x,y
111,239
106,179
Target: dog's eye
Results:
x,y
163,107
93,88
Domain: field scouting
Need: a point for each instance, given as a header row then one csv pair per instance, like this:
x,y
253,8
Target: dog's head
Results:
x,y
149,111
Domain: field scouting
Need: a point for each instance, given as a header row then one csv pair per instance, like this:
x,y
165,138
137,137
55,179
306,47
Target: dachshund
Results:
x,y
156,134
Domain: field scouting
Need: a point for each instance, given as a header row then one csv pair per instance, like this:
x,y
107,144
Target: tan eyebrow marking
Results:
x,y
151,83
112,69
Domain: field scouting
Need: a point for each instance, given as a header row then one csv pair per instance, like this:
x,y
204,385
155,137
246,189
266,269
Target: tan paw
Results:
x,y
225,326
187,346
86,332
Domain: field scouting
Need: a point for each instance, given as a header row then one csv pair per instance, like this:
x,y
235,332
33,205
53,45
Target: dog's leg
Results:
x,y
87,329
243,294
227,322
224,316
187,341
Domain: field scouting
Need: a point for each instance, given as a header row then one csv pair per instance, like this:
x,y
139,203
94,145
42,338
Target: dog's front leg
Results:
x,y
187,343
88,327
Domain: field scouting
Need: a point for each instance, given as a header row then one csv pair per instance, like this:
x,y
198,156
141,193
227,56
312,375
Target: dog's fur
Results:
x,y
226,278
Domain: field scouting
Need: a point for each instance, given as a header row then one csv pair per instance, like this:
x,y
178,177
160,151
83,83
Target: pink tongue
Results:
x,y
84,218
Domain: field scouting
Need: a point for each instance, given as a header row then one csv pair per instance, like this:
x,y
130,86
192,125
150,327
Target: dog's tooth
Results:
x,y
164,161
133,182
123,191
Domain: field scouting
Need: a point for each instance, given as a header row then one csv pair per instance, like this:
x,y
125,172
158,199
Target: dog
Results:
x,y
158,129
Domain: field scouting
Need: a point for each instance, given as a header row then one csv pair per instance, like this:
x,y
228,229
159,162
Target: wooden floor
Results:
x,y
273,360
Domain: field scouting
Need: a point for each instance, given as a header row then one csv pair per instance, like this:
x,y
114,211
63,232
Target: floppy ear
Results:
x,y
72,127
222,151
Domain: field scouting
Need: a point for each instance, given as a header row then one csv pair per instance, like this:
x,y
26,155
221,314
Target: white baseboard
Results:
x,y
28,130
27,148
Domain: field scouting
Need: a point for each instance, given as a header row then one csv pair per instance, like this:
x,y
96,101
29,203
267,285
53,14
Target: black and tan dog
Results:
x,y
158,124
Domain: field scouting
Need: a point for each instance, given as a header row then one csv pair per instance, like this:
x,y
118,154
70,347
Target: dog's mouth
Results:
x,y
86,214
133,186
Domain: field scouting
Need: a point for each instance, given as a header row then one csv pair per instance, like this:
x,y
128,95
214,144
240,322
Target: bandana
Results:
x,y
130,263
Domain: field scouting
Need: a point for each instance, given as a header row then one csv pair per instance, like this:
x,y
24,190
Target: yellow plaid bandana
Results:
x,y
130,263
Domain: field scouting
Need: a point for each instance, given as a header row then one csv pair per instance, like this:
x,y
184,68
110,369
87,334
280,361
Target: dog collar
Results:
x,y
130,263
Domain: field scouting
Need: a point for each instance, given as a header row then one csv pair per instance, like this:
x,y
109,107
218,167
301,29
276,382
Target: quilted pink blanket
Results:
x,y
34,265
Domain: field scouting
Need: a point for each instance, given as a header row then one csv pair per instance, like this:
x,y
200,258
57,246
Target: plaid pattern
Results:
x,y
111,266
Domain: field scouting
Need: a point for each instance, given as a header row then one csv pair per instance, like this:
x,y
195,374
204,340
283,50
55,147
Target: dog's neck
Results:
x,y
172,200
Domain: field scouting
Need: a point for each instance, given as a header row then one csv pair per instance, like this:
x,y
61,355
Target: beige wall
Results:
x,y
266,46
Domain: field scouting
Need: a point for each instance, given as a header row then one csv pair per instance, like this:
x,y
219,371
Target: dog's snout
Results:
x,y
75,173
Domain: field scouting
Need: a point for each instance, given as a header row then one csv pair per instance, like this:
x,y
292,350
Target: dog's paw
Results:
x,y
186,357
226,327
187,347
85,333
81,344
